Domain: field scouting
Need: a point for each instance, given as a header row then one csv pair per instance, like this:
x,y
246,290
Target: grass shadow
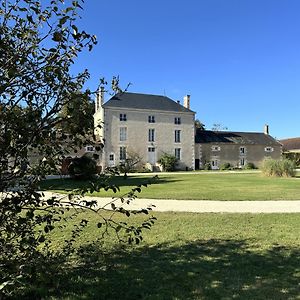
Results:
x,y
68,184
203,269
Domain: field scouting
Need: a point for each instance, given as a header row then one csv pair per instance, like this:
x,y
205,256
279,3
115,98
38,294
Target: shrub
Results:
x,y
278,168
225,166
168,162
250,166
83,167
207,166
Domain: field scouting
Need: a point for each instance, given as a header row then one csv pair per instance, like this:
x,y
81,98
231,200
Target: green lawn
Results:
x,y
198,186
188,256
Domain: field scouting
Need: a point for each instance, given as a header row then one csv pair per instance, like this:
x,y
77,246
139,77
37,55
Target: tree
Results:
x,y
199,125
38,45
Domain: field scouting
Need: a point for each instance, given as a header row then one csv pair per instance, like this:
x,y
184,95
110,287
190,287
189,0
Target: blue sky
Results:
x,y
238,59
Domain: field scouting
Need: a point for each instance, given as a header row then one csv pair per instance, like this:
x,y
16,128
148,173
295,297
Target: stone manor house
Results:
x,y
151,125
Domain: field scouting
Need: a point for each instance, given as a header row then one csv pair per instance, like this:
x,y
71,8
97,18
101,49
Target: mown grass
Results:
x,y
188,256
197,186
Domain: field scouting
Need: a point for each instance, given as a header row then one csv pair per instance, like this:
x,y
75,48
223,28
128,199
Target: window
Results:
x,y
151,149
269,149
242,162
178,153
89,149
151,135
177,120
215,148
111,157
242,150
151,119
123,134
123,117
177,136
122,153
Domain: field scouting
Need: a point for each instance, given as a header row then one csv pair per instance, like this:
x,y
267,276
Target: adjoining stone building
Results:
x,y
147,125
236,148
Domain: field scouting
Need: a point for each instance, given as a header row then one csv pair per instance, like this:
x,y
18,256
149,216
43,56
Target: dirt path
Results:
x,y
287,206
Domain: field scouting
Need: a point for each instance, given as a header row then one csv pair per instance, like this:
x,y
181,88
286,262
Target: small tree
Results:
x,y
168,162
39,42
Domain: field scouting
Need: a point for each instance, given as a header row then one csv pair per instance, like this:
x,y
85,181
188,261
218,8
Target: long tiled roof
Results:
x,y
144,101
230,137
291,144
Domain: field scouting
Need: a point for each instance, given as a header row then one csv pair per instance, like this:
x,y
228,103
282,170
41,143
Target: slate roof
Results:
x,y
230,137
145,101
291,144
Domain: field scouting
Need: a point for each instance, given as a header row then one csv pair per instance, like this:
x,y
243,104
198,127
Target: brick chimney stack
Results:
x,y
186,101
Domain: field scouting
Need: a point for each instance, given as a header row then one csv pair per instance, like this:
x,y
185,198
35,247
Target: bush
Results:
x,y
168,162
250,166
225,166
207,166
83,167
278,168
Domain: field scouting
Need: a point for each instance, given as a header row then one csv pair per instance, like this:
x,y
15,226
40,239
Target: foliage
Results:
x,y
207,166
199,125
293,156
260,251
83,167
39,42
225,166
168,162
77,114
250,166
132,163
278,168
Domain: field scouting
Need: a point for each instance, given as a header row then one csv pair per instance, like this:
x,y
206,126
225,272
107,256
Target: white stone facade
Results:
x,y
148,133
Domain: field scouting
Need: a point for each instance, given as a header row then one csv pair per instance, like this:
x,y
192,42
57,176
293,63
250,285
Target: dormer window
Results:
x,y
123,117
151,119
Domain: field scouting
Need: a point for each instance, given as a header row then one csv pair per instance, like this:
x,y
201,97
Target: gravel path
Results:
x,y
287,206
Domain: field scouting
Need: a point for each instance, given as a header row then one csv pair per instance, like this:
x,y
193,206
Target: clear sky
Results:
x,y
238,59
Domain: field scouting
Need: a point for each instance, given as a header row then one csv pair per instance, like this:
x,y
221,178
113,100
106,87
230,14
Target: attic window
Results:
x,y
215,148
269,149
123,117
177,120
151,119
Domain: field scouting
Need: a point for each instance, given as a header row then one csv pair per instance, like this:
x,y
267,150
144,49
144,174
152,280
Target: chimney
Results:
x,y
99,98
266,129
178,101
186,101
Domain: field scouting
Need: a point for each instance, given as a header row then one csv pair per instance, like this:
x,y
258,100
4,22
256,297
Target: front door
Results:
x,y
151,156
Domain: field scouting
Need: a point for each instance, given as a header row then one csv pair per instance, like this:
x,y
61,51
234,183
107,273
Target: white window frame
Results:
x,y
243,150
122,153
178,153
177,120
269,149
242,162
151,119
123,134
89,148
177,136
151,135
151,149
123,117
215,148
